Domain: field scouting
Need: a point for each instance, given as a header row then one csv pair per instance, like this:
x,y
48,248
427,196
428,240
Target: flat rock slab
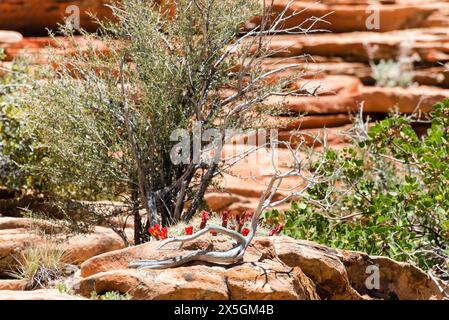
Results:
x,y
431,45
16,285
9,37
34,16
43,294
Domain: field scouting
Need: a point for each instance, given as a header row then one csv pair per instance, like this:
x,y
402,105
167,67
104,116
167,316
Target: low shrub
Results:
x,y
387,194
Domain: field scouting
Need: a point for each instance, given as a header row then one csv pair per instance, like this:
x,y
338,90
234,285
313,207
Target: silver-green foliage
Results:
x,y
390,73
16,149
105,115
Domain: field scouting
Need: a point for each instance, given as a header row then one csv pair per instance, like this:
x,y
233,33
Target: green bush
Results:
x,y
109,119
110,295
16,149
387,194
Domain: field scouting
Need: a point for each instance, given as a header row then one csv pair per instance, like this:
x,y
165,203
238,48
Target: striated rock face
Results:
x,y
338,16
430,44
272,268
34,16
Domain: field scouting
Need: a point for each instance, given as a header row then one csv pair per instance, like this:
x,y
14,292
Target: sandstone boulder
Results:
x,y
269,281
398,280
82,247
218,201
17,234
8,38
192,283
43,294
12,243
272,268
319,263
16,285
342,274
260,276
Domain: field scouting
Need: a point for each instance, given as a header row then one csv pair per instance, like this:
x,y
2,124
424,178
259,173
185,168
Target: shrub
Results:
x,y
391,73
390,196
16,149
394,73
110,295
107,115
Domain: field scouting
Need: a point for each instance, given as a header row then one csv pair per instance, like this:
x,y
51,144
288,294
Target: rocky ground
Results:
x,y
274,267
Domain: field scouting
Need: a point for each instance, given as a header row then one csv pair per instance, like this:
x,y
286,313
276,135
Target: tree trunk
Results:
x,y
138,236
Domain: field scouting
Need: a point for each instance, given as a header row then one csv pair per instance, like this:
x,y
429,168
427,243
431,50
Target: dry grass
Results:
x,y
40,266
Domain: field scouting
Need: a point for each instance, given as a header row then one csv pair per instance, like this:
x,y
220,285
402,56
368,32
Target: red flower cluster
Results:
x,y
241,219
225,219
276,230
158,233
189,230
204,218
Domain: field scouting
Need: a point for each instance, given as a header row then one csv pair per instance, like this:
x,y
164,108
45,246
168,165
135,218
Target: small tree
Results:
x,y
108,115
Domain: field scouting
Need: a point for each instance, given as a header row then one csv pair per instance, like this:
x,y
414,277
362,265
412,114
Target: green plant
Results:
x,y
390,196
110,295
61,287
16,149
394,73
391,73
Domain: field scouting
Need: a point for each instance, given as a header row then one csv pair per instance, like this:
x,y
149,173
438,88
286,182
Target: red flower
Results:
x,y
225,219
240,218
158,233
245,231
276,230
204,217
163,234
189,230
154,230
